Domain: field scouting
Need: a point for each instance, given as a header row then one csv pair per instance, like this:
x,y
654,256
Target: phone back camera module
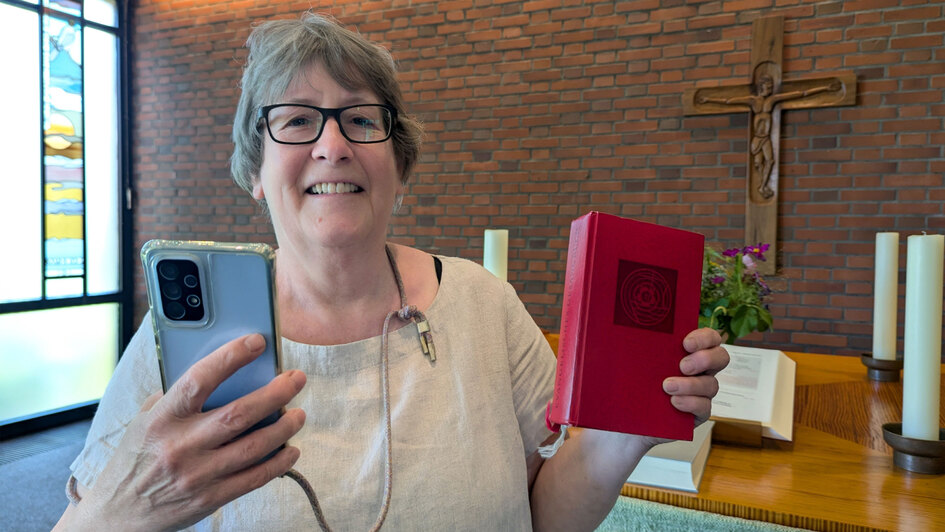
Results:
x,y
179,281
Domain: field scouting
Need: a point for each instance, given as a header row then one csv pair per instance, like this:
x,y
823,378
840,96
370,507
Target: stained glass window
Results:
x,y
73,7
63,137
61,295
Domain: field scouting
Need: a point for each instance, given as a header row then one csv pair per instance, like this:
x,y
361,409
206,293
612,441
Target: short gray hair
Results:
x,y
280,49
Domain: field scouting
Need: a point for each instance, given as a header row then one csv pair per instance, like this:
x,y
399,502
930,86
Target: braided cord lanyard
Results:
x,y
405,313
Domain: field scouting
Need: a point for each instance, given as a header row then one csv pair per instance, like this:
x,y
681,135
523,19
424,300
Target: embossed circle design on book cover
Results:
x,y
646,296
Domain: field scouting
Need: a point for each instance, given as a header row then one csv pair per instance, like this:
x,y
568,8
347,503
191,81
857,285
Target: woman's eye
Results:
x,y
363,122
298,121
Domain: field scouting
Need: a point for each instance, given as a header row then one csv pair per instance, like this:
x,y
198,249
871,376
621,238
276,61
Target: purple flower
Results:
x,y
758,251
731,252
718,279
765,289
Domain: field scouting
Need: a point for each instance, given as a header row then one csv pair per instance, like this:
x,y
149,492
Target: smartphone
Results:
x,y
204,294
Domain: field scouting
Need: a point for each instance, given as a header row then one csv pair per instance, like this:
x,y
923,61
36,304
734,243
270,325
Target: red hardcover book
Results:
x,y
631,294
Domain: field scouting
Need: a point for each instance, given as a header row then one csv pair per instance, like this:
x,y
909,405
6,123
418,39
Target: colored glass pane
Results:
x,y
21,201
56,358
63,136
72,7
102,178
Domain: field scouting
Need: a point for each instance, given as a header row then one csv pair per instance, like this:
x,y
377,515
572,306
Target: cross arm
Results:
x,y
846,95
705,100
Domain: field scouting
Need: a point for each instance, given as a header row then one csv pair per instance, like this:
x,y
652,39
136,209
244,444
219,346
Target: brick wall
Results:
x,y
539,111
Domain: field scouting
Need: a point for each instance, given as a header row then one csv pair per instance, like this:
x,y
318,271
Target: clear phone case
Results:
x,y
235,286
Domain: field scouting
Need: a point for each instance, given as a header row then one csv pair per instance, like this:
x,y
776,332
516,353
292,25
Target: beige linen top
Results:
x,y
462,427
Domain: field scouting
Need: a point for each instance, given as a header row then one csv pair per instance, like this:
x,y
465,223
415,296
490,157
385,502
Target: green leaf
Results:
x,y
752,315
765,320
742,321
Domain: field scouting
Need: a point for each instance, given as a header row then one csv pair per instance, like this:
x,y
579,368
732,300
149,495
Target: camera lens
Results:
x,y
190,281
168,270
174,310
172,290
193,300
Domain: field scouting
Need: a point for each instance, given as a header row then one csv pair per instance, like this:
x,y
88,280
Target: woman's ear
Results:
x,y
258,193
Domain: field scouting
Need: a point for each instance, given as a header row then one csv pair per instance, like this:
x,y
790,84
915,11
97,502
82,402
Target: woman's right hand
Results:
x,y
175,464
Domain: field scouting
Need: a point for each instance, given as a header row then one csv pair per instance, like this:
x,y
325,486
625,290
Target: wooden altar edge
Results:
x,y
730,509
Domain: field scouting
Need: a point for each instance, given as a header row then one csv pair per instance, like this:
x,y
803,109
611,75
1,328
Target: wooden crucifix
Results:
x,y
763,98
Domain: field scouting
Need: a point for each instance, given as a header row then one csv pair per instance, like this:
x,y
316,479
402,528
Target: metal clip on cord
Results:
x,y
423,329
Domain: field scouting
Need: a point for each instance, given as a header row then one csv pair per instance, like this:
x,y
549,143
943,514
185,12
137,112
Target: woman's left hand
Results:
x,y
576,487
694,391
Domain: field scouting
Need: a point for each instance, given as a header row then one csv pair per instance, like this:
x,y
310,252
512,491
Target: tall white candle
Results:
x,y
923,337
495,252
885,295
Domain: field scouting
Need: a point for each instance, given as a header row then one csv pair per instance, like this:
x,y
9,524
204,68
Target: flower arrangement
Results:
x,y
734,295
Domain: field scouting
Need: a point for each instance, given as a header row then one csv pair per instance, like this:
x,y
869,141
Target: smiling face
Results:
x,y
333,192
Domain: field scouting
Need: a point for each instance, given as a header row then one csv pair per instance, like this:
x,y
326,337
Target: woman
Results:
x,y
385,434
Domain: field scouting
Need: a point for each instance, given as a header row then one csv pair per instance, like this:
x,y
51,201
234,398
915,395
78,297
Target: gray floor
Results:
x,y
33,472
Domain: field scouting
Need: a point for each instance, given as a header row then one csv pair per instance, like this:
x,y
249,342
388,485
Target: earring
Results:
x,y
398,202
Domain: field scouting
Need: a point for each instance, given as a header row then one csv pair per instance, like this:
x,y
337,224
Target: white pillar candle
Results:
x,y
923,337
885,295
495,252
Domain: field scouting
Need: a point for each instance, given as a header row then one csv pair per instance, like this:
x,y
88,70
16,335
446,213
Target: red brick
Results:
x,y
538,112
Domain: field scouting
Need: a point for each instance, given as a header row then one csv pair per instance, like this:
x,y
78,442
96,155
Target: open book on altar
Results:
x,y
756,394
678,464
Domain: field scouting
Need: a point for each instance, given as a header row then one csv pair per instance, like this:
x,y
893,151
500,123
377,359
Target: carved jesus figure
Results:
x,y
762,101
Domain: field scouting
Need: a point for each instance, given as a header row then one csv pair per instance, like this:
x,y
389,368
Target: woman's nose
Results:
x,y
331,145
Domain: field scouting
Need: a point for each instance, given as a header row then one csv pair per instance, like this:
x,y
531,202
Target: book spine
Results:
x,y
571,322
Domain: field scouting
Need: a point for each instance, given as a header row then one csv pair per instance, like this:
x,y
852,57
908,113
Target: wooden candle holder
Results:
x,y
881,370
911,454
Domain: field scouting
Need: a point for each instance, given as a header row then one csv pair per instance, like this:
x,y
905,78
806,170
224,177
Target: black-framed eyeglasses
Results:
x,y
292,123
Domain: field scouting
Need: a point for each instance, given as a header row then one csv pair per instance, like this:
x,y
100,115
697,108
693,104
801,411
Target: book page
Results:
x,y
758,385
782,411
745,386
